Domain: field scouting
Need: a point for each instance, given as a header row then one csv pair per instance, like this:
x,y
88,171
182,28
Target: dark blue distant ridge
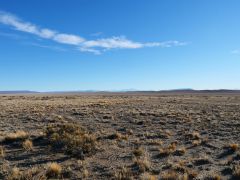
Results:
x,y
187,90
18,92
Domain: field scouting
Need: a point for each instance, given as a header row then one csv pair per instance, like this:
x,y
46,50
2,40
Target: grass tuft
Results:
x,y
142,164
72,139
138,152
15,174
236,172
17,136
234,146
54,170
27,145
124,174
2,152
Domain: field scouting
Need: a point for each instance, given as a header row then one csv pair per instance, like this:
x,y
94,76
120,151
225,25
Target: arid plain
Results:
x,y
120,136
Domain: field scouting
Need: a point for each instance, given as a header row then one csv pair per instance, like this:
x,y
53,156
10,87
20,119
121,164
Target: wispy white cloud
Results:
x,y
93,46
18,24
68,39
113,43
166,44
123,43
85,49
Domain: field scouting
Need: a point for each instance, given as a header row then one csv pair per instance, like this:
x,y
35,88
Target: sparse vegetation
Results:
x,y
71,138
181,151
119,137
85,173
196,142
167,150
171,175
2,152
236,172
27,145
142,164
195,135
138,152
15,174
124,174
234,146
213,176
54,170
16,136
147,176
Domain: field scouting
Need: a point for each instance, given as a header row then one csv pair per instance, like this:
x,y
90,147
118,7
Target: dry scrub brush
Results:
x,y
124,174
173,175
233,146
2,152
236,172
167,150
27,145
142,164
138,152
53,170
16,136
71,138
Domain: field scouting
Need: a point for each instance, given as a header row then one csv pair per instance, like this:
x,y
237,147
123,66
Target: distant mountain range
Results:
x,y
126,91
18,92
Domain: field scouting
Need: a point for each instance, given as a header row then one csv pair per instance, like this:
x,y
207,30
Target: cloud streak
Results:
x,y
96,46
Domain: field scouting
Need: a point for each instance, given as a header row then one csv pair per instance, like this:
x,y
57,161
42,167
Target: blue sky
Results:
x,y
119,44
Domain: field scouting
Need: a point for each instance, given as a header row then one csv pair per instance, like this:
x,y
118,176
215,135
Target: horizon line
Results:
x,y
113,91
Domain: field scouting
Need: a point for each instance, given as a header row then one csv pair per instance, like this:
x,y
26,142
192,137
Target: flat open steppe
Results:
x,y
120,136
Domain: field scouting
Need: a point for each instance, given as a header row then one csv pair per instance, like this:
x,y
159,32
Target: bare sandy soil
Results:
x,y
124,136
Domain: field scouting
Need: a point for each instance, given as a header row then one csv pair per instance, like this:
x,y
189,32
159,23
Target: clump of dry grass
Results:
x,y
32,173
169,175
138,152
4,168
115,135
147,176
15,174
124,174
2,152
167,150
196,142
72,139
155,142
142,164
16,136
168,133
172,146
213,176
173,175
233,146
196,135
179,167
130,132
53,170
192,174
118,136
164,152
27,145
181,151
85,173
236,172
186,173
